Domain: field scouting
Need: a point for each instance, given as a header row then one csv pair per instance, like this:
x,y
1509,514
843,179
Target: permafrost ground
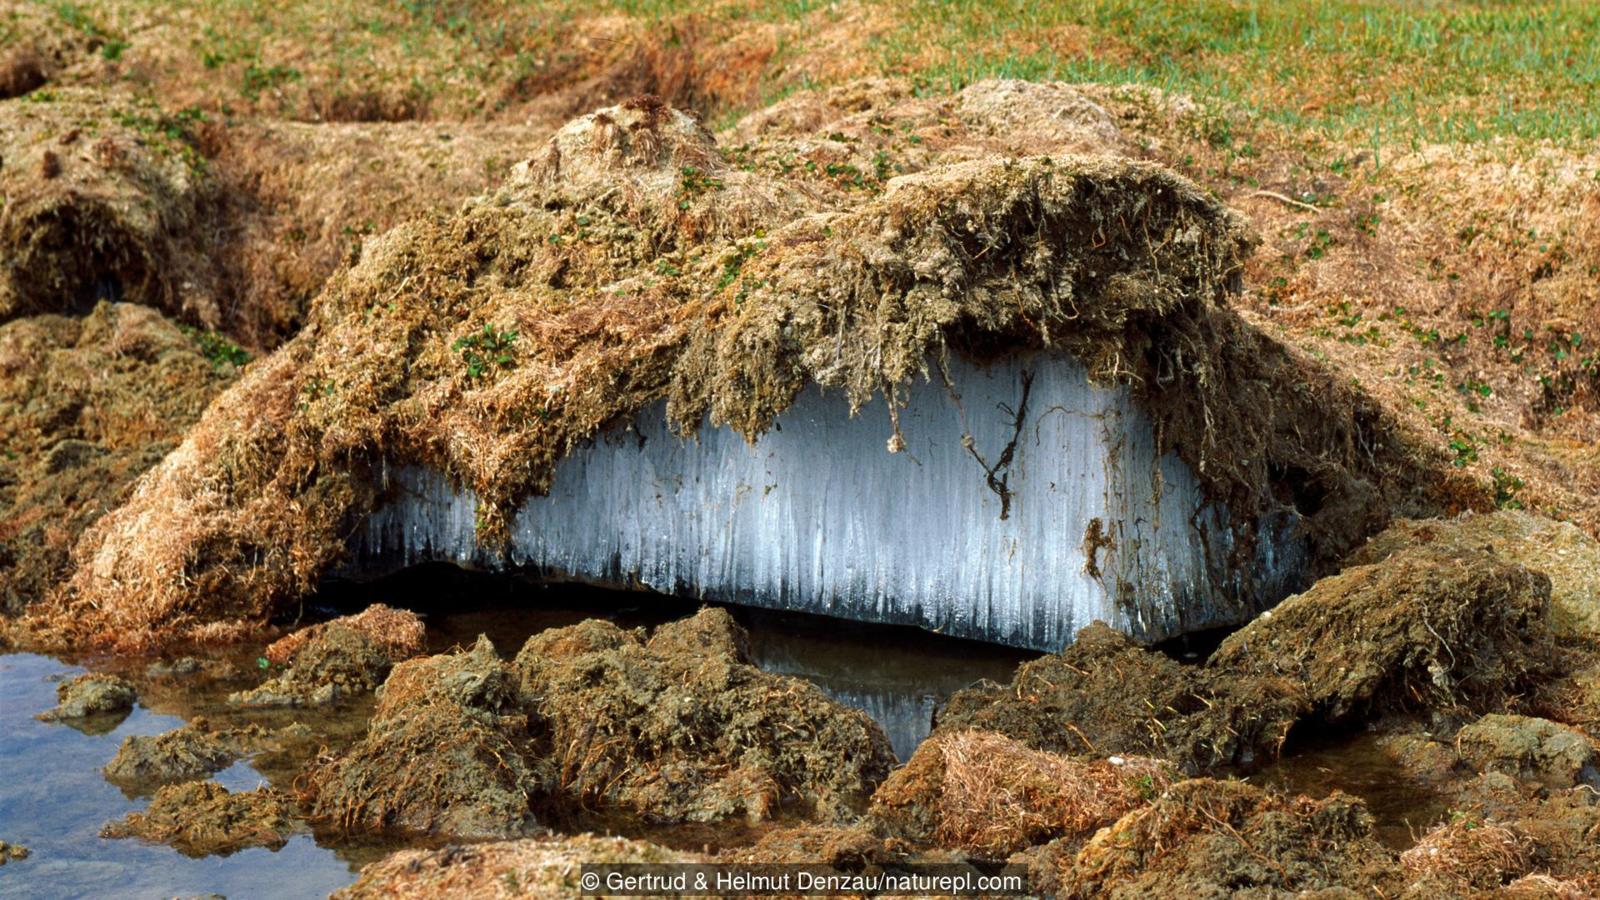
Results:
x,y
1043,522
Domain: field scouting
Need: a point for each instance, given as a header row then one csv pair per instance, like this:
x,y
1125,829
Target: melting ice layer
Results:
x,y
1081,520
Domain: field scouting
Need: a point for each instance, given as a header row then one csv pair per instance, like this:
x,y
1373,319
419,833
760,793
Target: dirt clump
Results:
x,y
1531,749
444,754
1103,694
336,663
683,727
1425,629
86,406
399,632
12,852
1560,550
202,818
192,752
91,695
1216,838
988,795
533,867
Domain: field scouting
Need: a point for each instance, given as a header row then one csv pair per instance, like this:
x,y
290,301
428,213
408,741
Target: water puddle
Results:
x,y
1402,808
54,800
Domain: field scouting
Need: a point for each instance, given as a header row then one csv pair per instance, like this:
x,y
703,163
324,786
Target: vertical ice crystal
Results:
x,y
1080,520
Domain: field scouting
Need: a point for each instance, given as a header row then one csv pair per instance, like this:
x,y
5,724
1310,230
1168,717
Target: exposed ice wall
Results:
x,y
1084,522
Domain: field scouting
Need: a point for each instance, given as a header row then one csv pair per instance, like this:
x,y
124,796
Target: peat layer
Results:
x,y
633,260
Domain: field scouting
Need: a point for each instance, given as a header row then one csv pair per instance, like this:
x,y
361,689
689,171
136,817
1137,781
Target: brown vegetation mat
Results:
x,y
1214,838
189,753
337,663
231,226
1104,695
446,753
534,867
592,718
91,695
1561,551
629,262
86,405
1427,628
988,795
202,818
399,632
683,727
102,202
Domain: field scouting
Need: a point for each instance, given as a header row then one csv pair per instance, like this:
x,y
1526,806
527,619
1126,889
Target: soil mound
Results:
x,y
445,754
1531,749
682,727
987,795
399,632
1562,551
101,196
91,695
201,818
86,406
536,867
1105,695
1428,627
1218,838
338,662
35,45
192,752
623,267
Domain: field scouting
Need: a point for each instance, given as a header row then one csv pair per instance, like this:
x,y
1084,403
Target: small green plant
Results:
x,y
693,184
1506,487
486,350
258,80
217,348
1465,449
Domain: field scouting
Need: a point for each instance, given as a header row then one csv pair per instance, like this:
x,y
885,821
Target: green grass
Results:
x,y
1447,70
1363,71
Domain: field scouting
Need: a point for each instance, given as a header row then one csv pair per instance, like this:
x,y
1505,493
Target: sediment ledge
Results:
x,y
633,268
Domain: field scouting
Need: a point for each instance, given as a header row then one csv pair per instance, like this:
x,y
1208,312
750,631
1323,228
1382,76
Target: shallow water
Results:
x,y
1357,764
54,801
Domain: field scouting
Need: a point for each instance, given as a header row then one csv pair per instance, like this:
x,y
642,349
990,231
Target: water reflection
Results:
x,y
54,801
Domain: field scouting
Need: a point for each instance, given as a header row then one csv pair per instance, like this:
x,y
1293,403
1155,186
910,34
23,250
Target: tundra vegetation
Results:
x,y
1346,254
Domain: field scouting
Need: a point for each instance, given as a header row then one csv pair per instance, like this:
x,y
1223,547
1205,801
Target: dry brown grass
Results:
x,y
1469,853
536,867
399,632
986,794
